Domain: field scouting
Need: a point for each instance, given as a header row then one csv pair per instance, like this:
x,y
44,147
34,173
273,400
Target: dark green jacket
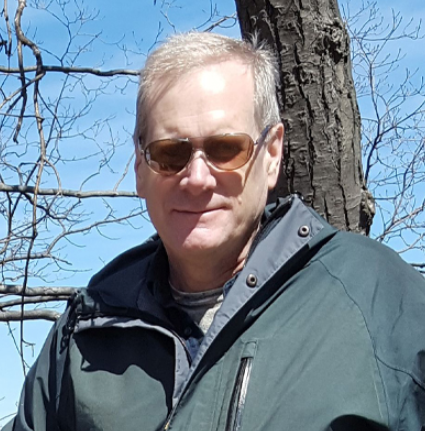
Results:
x,y
321,330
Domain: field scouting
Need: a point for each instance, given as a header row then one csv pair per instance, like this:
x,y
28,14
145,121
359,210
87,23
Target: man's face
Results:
x,y
202,211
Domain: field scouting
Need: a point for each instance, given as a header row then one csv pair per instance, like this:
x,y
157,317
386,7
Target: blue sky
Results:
x,y
134,25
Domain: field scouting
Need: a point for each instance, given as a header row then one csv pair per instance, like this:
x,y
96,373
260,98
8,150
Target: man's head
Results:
x,y
199,86
185,52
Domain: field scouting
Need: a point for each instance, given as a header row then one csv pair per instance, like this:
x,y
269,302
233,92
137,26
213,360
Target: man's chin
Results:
x,y
197,242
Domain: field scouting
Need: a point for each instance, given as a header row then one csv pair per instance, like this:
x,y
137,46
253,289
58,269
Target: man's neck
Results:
x,y
204,271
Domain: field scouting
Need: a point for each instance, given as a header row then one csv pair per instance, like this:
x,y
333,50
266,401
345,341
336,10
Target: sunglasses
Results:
x,y
225,152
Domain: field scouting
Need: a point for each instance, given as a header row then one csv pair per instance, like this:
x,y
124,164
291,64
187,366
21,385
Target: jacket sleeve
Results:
x,y
38,403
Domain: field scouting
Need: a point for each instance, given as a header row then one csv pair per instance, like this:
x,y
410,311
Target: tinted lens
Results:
x,y
168,156
228,152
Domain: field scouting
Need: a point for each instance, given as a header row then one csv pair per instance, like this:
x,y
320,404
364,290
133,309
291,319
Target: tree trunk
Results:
x,y
318,104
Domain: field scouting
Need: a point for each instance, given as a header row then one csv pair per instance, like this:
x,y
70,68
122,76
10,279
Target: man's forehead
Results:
x,y
220,96
213,74
212,81
215,77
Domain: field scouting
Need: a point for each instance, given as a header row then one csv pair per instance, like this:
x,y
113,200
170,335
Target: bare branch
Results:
x,y
221,21
9,30
71,70
31,300
66,193
17,289
19,316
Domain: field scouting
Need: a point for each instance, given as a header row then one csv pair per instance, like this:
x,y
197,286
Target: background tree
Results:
x,y
318,104
324,146
41,206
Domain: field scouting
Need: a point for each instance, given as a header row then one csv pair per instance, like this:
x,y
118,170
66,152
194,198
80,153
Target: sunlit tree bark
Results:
x,y
318,104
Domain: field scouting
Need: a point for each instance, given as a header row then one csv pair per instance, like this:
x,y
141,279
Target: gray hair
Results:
x,y
185,52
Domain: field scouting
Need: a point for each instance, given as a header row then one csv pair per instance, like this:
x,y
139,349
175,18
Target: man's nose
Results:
x,y
198,176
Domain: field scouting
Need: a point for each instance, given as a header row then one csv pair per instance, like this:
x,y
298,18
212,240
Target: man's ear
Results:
x,y
138,170
275,151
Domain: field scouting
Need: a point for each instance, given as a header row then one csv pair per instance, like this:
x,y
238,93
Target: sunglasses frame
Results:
x,y
260,140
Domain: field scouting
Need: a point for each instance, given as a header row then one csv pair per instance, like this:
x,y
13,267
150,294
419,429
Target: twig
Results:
x,y
71,70
65,192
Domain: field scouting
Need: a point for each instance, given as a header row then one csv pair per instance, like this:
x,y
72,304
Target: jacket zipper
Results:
x,y
237,402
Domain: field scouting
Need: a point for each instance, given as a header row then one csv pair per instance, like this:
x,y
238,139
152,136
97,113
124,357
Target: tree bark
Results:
x,y
322,157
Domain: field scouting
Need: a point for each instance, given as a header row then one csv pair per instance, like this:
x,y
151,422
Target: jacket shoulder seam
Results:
x,y
372,341
379,357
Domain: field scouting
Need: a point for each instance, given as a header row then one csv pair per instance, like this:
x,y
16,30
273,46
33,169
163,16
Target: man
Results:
x,y
233,317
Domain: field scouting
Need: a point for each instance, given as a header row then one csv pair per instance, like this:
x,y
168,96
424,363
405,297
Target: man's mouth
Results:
x,y
198,211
